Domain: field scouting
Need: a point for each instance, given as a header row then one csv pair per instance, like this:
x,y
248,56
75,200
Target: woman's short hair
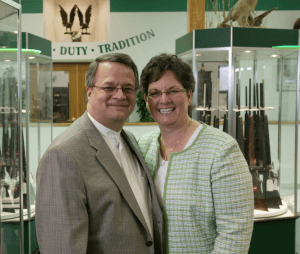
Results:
x,y
157,67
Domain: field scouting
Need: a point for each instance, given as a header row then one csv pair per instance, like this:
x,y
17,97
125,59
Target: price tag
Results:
x,y
275,185
270,185
255,188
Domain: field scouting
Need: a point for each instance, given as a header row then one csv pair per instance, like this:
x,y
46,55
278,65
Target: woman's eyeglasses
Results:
x,y
170,93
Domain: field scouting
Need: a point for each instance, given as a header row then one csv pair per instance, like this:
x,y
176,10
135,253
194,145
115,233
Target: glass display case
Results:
x,y
11,200
25,127
250,89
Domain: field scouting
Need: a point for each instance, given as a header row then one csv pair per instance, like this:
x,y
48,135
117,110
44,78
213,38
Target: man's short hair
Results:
x,y
112,57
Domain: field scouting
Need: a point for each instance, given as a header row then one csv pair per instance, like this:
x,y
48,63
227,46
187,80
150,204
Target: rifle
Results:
x,y
6,149
203,116
272,196
239,121
225,124
238,107
5,134
13,133
252,159
216,122
256,126
246,138
249,97
259,196
240,136
208,119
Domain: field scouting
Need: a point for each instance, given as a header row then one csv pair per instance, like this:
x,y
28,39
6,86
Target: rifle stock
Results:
x,y
259,199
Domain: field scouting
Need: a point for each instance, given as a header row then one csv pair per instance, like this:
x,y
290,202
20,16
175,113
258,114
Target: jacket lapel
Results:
x,y
158,222
110,164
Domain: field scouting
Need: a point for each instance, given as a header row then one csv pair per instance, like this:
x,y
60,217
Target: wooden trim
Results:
x,y
77,91
196,14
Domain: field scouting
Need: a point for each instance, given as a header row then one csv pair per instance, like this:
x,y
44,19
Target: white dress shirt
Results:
x,y
135,175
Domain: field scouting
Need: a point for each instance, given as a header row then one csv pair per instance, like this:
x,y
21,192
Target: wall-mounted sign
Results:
x,y
80,50
82,21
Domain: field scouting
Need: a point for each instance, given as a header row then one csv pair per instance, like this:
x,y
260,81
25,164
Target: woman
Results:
x,y
201,177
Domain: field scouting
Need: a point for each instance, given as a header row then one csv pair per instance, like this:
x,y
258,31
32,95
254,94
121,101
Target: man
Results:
x,y
94,191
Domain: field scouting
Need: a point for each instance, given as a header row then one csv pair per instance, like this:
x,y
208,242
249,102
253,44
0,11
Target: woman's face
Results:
x,y
168,110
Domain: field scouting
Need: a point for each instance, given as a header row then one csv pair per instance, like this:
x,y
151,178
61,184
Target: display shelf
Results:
x,y
248,88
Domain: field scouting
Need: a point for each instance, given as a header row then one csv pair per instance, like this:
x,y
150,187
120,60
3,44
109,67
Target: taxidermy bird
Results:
x,y
258,20
297,24
64,17
240,9
88,15
254,22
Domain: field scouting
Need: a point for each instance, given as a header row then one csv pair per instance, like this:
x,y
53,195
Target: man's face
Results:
x,y
112,109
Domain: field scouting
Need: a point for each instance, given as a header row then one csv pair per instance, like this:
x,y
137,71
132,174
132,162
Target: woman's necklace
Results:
x,y
163,147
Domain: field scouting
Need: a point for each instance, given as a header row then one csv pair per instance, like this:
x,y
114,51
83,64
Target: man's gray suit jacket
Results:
x,y
84,202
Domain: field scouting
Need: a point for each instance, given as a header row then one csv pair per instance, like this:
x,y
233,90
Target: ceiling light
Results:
x,y
247,51
199,54
31,57
7,60
274,55
249,68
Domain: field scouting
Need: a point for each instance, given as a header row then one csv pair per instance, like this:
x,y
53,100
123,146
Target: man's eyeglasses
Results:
x,y
114,90
170,93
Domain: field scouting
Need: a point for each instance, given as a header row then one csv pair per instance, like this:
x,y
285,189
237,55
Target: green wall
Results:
x,y
32,6
36,6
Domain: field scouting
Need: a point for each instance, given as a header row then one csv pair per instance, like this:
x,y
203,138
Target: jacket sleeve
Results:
x,y
233,199
61,215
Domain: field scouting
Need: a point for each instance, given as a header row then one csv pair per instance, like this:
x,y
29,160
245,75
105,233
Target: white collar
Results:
x,y
109,133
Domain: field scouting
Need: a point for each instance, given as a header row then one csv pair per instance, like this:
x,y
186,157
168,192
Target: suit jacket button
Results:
x,y
149,243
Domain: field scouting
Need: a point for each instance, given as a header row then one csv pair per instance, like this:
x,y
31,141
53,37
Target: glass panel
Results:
x,y
9,132
257,93
211,90
288,141
33,145
256,115
45,101
298,187
37,130
60,96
